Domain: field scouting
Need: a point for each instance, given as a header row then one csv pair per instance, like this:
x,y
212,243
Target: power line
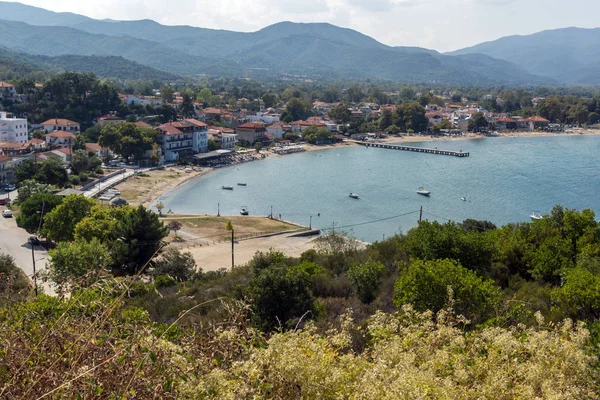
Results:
x,y
373,221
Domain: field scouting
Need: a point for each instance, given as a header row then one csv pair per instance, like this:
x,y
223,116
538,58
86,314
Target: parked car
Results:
x,y
10,187
4,202
7,214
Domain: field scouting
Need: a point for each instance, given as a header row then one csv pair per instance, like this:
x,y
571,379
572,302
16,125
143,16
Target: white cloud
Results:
x,y
439,24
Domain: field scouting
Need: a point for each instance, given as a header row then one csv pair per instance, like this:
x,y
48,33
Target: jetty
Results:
x,y
415,149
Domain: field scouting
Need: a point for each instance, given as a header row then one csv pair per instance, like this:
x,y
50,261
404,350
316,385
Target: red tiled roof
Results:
x,y
6,85
93,147
65,150
61,134
169,129
506,120
537,118
250,126
60,122
11,145
142,124
194,121
36,141
212,111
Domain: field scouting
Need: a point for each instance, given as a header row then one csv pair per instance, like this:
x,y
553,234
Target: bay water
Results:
x,y
503,181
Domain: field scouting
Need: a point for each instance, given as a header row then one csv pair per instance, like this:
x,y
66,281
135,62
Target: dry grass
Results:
x,y
146,188
214,227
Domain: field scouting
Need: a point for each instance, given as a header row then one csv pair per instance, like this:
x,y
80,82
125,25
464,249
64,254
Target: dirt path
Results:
x,y
216,256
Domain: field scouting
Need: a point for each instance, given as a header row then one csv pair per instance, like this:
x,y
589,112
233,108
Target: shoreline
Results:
x,y
394,139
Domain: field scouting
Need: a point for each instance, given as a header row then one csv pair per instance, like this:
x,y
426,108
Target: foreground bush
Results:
x,y
91,346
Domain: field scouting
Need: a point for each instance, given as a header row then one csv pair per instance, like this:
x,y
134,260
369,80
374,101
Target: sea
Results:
x,y
504,180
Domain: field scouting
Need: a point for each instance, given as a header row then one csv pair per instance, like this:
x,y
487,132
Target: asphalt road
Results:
x,y
13,241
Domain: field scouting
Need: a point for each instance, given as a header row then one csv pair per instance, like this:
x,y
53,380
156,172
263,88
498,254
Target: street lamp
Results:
x,y
310,223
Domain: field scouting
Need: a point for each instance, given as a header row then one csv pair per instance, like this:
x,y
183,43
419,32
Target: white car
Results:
x,y
7,213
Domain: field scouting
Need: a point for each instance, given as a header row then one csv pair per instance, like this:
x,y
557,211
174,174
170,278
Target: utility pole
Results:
x,y
34,272
421,214
310,223
333,228
271,215
218,209
232,247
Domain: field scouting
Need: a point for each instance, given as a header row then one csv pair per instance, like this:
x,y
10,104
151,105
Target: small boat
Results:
x,y
244,210
463,198
227,187
423,191
242,184
536,216
354,196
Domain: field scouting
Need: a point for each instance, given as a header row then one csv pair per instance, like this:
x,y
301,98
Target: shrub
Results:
x,y
75,180
163,281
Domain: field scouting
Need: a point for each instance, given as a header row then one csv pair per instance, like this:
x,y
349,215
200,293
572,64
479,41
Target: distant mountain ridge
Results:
x,y
318,50
570,55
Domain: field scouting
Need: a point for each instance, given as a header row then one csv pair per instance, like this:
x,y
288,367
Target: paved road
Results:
x,y
13,241
109,183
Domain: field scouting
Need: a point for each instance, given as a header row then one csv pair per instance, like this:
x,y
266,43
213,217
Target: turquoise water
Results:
x,y
503,180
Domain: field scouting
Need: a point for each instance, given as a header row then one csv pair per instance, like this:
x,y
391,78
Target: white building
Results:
x,y
181,138
200,144
61,124
13,129
143,101
267,118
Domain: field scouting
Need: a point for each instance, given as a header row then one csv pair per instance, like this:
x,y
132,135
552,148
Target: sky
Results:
x,y
441,25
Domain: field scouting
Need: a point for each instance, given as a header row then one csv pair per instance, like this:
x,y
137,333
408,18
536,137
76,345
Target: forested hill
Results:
x,y
316,50
569,55
14,65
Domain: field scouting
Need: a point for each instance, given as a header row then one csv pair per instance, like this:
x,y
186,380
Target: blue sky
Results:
x,y
442,25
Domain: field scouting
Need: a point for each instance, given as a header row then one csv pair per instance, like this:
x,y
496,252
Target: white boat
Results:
x,y
227,187
244,210
423,191
354,196
463,198
536,216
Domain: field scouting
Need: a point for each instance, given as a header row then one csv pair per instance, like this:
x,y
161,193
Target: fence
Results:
x,y
100,180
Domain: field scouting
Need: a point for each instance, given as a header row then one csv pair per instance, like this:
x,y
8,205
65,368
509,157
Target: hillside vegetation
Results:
x,y
445,311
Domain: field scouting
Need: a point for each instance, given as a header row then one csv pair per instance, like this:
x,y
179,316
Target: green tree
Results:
x,y
411,115
37,134
366,279
30,215
297,109
12,279
213,145
92,134
229,225
579,296
341,114
80,162
30,187
426,285
314,134
280,297
59,224
78,143
78,263
187,106
52,172
159,207
179,266
354,94
128,140
176,225
166,94
269,99
26,170
103,223
477,122
386,120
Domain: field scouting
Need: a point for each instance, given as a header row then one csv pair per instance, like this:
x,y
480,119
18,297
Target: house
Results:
x,y
6,169
60,139
210,114
8,93
506,123
64,154
300,126
267,118
142,124
537,122
250,131
13,148
61,124
200,135
276,130
132,100
98,150
109,119
13,129
434,117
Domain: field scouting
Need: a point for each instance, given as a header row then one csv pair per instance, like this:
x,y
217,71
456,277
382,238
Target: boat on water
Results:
x,y
227,187
244,210
424,192
463,198
354,196
242,184
536,216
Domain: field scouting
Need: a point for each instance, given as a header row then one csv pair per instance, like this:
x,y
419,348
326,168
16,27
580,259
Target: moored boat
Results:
x,y
244,210
227,187
242,184
354,196
463,198
424,192
536,216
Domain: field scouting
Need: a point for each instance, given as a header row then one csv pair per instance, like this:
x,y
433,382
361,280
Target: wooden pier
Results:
x,y
415,149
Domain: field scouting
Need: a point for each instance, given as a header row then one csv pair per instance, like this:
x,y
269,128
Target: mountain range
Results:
x,y
315,50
